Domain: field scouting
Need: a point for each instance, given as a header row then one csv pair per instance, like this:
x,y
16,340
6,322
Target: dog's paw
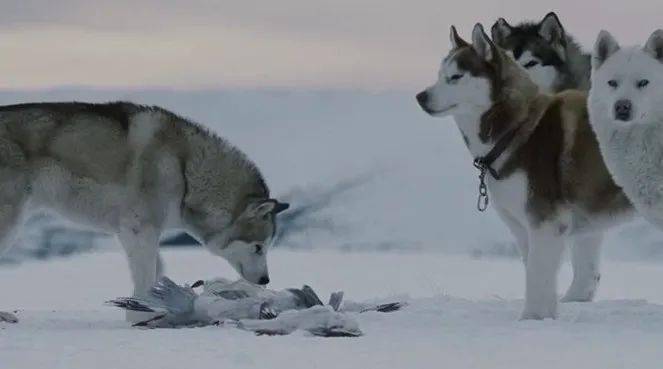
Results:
x,y
578,296
539,313
8,317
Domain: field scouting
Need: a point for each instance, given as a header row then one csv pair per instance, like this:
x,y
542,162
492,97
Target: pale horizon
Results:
x,y
293,44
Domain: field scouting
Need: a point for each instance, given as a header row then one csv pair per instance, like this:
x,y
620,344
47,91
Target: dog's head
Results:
x,y
540,48
468,76
246,242
475,78
627,83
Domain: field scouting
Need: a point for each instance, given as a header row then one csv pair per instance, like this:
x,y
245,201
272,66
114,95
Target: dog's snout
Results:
x,y
623,110
422,98
264,280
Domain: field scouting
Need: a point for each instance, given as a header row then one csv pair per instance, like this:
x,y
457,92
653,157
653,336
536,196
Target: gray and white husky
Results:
x,y
134,171
626,110
540,160
549,55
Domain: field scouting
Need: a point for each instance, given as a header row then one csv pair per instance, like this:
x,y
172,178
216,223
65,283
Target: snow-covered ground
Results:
x,y
463,313
402,195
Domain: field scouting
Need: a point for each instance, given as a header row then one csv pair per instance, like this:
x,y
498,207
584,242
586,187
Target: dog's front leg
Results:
x,y
141,245
518,231
11,217
545,253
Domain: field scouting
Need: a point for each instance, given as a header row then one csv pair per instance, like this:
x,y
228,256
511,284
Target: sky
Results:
x,y
372,45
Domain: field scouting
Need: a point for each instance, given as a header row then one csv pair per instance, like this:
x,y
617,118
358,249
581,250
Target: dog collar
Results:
x,y
485,165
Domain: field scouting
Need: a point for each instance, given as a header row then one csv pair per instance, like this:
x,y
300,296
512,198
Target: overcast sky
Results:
x,y
361,44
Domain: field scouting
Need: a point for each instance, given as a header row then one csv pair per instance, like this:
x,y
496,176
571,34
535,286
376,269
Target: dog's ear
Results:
x,y
456,40
482,43
605,46
551,30
654,45
266,207
500,31
281,207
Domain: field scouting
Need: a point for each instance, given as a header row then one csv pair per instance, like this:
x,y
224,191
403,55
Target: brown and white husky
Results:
x,y
541,162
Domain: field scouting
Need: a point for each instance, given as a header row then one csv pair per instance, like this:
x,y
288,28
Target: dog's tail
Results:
x,y
165,297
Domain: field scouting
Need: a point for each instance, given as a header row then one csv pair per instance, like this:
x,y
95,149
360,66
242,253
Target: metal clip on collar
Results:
x,y
482,200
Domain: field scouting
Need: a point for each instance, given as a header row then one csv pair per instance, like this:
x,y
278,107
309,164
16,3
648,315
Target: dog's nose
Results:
x,y
422,98
623,110
264,280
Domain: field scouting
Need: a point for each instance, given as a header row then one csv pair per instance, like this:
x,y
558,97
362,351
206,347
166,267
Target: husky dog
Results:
x,y
541,162
134,171
549,55
626,110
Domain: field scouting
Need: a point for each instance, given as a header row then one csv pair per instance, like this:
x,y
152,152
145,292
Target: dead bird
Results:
x,y
248,307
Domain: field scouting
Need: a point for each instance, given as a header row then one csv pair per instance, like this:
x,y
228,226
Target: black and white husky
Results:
x,y
134,171
548,53
540,160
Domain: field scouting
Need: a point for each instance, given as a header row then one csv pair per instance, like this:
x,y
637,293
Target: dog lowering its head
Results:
x,y
135,171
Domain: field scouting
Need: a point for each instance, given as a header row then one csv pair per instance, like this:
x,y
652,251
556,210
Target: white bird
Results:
x,y
248,307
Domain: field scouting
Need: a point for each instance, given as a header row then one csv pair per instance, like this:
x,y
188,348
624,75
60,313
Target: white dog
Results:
x,y
626,110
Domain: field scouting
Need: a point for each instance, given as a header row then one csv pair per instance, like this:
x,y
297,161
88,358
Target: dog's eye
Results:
x,y
455,78
530,64
612,83
643,83
259,249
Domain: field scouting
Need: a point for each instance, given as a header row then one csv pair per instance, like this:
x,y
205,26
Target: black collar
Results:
x,y
484,163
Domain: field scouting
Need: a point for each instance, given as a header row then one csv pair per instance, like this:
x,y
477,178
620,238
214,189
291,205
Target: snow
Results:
x,y
403,195
463,313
